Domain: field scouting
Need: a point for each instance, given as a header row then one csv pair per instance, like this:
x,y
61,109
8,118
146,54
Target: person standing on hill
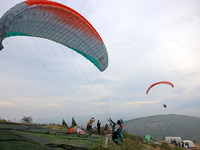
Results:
x,y
98,126
117,131
106,129
89,125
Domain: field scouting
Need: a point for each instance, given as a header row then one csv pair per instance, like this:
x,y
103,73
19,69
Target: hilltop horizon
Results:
x,y
159,126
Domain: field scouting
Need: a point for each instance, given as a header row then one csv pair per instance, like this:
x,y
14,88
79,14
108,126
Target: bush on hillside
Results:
x,y
27,119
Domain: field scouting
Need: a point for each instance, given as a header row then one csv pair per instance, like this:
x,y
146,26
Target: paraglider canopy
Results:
x,y
52,21
161,82
59,23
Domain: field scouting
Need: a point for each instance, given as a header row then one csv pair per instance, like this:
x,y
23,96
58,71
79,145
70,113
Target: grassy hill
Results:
x,y
165,125
26,136
20,136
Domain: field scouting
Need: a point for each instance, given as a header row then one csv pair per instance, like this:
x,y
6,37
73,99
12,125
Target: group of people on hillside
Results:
x,y
116,134
117,130
180,144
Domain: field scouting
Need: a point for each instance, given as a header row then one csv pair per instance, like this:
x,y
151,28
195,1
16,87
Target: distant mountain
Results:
x,y
159,126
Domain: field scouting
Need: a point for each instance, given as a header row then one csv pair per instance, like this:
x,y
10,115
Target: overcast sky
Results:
x,y
147,41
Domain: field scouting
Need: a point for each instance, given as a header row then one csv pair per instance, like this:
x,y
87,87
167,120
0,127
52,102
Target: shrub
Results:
x,y
27,119
165,146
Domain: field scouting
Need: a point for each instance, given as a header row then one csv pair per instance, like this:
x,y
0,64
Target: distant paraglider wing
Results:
x,y
161,82
56,22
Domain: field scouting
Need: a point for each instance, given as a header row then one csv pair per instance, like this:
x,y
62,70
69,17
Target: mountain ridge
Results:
x,y
159,126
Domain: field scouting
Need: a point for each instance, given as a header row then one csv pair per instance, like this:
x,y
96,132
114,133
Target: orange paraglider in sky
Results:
x,y
161,82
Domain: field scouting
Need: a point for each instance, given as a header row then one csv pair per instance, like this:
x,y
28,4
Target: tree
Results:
x,y
27,119
73,122
64,124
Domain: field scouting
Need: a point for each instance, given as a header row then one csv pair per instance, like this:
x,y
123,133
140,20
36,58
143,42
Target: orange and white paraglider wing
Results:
x,y
56,22
161,82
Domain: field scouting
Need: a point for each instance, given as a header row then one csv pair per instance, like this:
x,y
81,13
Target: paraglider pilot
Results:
x,y
117,130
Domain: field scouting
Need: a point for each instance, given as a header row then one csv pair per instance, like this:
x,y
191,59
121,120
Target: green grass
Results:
x,y
12,140
20,136
35,137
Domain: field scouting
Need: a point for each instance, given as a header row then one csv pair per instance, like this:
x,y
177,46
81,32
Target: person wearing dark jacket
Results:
x,y
98,126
